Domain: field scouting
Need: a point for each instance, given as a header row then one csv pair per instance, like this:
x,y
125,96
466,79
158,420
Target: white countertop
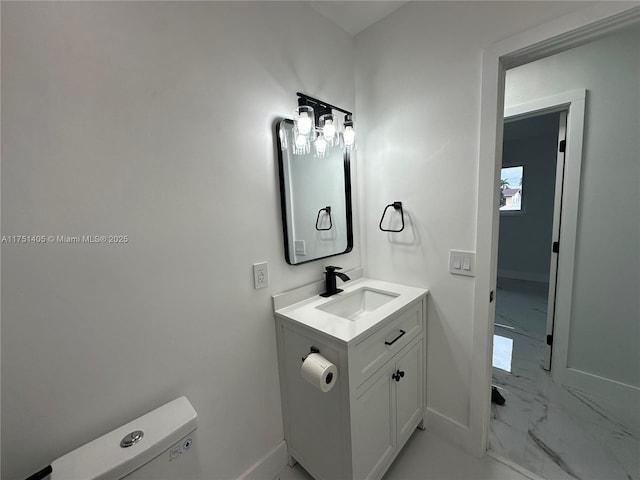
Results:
x,y
306,313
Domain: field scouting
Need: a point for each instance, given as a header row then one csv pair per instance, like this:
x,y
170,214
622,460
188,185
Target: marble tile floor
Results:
x,y
426,456
553,431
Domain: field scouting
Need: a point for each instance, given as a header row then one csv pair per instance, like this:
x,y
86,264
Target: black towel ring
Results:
x,y
328,210
397,206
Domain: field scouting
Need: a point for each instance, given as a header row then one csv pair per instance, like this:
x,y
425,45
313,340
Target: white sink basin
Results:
x,y
354,305
347,316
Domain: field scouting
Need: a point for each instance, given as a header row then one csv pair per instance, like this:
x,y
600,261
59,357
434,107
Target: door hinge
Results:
x,y
555,248
563,146
491,296
549,340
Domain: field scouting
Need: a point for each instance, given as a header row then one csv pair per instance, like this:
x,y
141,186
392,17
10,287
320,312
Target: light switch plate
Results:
x,y
462,263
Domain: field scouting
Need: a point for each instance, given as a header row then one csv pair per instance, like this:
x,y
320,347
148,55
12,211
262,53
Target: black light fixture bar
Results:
x,y
307,100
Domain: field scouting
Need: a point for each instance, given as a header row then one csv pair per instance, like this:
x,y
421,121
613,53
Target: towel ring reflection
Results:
x,y
328,210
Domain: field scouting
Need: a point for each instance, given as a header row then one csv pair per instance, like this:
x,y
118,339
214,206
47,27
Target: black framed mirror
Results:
x,y
315,196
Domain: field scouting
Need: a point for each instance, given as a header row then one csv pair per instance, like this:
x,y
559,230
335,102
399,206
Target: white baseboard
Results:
x,y
513,465
625,398
269,466
529,276
449,429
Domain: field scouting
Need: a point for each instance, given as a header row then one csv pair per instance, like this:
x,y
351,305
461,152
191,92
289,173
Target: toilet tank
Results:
x,y
178,462
158,445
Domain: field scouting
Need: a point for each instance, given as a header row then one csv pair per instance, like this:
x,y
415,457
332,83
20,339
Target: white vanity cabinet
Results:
x,y
355,430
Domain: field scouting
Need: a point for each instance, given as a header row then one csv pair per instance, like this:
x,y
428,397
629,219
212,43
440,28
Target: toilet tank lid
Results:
x,y
105,459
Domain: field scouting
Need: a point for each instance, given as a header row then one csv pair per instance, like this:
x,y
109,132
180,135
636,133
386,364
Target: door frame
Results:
x,y
573,102
552,37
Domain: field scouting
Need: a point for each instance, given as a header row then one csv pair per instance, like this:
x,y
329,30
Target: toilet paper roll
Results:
x,y
319,372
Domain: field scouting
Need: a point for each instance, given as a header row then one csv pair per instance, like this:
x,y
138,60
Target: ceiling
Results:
x,y
355,16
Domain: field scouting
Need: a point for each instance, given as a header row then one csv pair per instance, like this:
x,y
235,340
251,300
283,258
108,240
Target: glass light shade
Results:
x,y
303,122
328,124
321,145
283,139
349,136
301,145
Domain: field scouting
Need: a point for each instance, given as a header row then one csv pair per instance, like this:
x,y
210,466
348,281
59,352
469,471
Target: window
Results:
x,y
511,189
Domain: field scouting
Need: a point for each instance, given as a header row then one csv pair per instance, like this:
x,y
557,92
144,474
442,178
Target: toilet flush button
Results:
x,y
131,438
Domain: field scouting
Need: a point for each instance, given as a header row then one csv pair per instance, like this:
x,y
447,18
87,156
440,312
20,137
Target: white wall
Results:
x,y
418,99
605,333
524,249
128,118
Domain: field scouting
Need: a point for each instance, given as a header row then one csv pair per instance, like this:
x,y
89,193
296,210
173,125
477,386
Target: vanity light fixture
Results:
x,y
314,122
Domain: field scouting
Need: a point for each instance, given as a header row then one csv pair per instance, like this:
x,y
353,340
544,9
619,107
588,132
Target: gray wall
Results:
x,y
524,249
152,120
605,332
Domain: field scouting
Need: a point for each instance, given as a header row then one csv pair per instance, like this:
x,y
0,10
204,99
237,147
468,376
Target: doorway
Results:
x,y
532,169
535,143
546,40
530,200
572,422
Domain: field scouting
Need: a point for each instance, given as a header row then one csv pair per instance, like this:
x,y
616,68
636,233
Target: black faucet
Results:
x,y
331,275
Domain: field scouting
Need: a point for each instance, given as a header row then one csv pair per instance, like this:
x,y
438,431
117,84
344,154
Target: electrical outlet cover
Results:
x,y
260,275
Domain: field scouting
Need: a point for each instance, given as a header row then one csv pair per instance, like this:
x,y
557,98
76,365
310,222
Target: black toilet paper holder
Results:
x,y
311,350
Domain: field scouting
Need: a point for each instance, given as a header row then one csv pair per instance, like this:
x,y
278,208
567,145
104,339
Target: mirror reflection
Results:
x,y
315,192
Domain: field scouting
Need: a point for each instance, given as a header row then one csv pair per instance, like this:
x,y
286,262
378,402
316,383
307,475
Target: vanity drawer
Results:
x,y
372,352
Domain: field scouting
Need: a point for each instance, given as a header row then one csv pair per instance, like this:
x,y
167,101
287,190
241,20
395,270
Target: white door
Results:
x,y
555,236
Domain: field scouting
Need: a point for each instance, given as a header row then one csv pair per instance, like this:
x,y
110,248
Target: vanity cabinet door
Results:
x,y
409,392
386,411
373,433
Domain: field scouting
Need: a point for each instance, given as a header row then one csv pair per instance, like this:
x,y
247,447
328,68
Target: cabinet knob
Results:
x,y
397,375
